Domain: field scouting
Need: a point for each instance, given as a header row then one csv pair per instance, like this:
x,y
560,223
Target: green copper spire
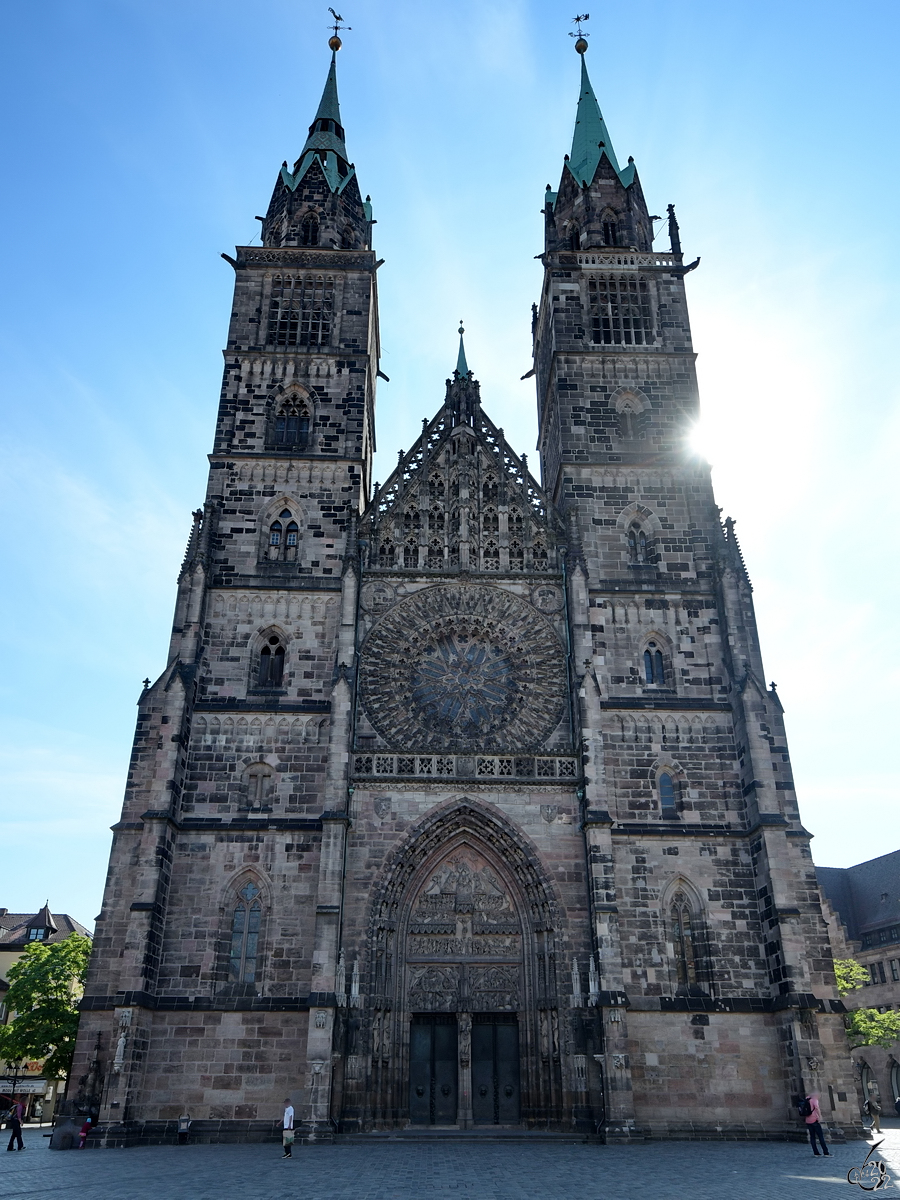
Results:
x,y
591,139
462,367
325,141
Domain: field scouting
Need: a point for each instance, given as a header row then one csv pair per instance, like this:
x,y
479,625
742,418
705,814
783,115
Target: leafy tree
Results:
x,y
849,975
45,986
865,1026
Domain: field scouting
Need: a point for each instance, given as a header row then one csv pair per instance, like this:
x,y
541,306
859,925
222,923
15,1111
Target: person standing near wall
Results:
x,y
287,1129
14,1124
814,1124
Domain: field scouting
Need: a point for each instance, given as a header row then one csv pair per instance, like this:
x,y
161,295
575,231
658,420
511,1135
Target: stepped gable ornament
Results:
x,y
463,668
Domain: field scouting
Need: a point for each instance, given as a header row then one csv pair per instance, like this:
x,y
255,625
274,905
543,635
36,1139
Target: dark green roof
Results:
x,y
325,141
591,139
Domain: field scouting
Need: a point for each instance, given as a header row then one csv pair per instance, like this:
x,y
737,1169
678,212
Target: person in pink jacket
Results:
x,y
814,1125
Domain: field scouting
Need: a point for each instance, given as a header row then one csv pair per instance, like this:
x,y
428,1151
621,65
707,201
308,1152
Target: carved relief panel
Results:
x,y
464,940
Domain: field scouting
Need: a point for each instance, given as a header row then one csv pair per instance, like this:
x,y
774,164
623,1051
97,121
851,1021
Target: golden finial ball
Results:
x,y
334,43
581,45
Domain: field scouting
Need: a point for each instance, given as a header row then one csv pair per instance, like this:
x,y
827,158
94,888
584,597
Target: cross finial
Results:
x,y
334,41
580,35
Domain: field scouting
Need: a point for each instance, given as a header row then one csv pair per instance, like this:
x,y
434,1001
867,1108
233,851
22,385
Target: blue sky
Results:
x,y
142,139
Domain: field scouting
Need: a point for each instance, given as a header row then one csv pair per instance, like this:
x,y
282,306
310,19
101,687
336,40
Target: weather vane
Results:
x,y
580,35
334,41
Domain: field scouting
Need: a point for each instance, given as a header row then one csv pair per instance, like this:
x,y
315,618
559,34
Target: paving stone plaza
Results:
x,y
404,1170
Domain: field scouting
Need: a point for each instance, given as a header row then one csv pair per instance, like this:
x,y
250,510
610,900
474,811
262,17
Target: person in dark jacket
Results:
x,y
14,1125
814,1125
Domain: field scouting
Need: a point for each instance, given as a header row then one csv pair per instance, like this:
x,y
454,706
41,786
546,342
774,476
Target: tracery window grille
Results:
x,y
516,556
667,795
412,520
386,554
490,521
637,544
491,556
435,556
628,424
284,537
309,230
245,922
292,425
489,490
436,487
620,310
682,924
610,231
301,310
271,664
654,666
516,523
411,555
436,521
539,557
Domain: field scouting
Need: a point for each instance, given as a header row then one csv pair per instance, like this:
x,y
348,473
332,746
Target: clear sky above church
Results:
x,y
142,139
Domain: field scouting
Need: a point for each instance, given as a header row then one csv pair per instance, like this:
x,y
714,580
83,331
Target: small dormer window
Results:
x,y
36,935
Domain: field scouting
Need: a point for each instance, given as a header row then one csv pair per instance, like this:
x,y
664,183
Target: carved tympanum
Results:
x,y
461,668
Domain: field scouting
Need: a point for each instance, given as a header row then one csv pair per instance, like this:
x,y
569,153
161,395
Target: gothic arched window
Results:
x,y
628,424
637,544
667,795
276,531
246,919
309,230
610,230
412,520
436,487
516,523
292,425
271,664
489,490
654,666
516,556
574,237
436,521
284,538
411,555
684,935
491,557
386,554
348,240
539,557
435,556
490,521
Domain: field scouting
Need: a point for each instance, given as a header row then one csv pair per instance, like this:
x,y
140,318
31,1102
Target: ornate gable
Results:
x,y
460,500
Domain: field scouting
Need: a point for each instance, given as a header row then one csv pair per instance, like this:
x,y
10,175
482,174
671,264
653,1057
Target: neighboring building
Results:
x,y
862,907
461,800
17,932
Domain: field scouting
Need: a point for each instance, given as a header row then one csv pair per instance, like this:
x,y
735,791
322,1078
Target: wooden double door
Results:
x,y
434,1069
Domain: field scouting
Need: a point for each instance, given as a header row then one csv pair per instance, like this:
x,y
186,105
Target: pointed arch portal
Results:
x,y
465,1023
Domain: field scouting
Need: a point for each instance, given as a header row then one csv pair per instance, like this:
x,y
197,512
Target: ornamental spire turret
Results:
x,y
318,202
599,203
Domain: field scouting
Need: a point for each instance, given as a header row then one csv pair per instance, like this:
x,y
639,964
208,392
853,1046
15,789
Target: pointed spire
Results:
x,y
462,367
591,140
325,142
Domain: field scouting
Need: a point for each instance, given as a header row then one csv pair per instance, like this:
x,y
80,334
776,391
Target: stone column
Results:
x,y
464,1104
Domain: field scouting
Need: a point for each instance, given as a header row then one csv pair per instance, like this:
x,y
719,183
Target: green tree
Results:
x,y
44,988
865,1026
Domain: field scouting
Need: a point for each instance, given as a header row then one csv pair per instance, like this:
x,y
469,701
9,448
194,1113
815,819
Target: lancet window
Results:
x,y
436,521
682,926
271,664
246,919
309,230
668,803
620,310
284,538
654,665
491,556
301,310
411,554
637,544
386,555
490,521
435,555
291,429
610,230
258,776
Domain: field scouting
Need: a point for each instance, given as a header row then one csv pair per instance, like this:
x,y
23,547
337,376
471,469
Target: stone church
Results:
x,y
461,801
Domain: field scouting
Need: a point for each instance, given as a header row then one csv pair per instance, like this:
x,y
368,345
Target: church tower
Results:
x,y
704,907
461,800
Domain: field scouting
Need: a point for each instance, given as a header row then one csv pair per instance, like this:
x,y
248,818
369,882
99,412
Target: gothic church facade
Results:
x,y
461,801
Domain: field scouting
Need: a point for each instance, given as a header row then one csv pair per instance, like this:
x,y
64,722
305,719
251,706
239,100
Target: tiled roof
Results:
x,y
14,927
867,896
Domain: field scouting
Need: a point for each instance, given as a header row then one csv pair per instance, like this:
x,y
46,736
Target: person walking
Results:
x,y
873,1108
814,1124
287,1129
84,1131
14,1123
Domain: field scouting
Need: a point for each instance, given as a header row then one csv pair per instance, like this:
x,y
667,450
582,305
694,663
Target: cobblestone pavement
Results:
x,y
417,1171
